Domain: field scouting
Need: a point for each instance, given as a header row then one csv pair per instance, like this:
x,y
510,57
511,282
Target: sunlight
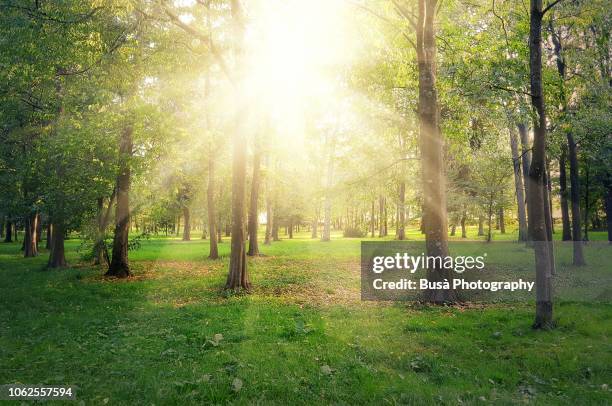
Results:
x,y
295,51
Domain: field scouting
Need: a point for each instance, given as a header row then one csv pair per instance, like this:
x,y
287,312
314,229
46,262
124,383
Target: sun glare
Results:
x,y
295,51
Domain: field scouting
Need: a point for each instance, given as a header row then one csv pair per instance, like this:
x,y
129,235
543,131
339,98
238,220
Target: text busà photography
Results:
x,y
306,202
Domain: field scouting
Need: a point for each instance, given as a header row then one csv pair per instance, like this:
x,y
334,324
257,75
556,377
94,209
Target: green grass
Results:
x,y
303,336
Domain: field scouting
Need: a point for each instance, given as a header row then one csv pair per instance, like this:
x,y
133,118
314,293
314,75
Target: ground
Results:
x,y
170,335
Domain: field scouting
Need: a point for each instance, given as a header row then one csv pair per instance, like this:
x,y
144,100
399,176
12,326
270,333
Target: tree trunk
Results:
x,y
463,230
120,266
253,209
526,158
453,229
502,222
238,277
38,229
57,256
565,220
187,226
29,239
269,214
210,199
432,152
518,186
401,212
8,236
178,225
537,185
480,225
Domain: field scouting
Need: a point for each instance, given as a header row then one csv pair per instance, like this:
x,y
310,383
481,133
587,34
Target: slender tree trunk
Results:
x,y
8,236
401,211
453,229
120,266
526,158
502,223
210,199
238,277
253,209
315,224
187,226
565,220
537,173
57,256
463,229
29,239
518,186
480,225
178,225
269,214
38,229
575,201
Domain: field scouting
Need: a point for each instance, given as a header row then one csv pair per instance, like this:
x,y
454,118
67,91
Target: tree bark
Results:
x,y
432,152
537,185
8,236
187,226
609,210
253,209
480,225
502,222
518,186
57,256
29,239
49,233
401,211
119,266
210,199
238,278
315,224
526,158
565,220
463,229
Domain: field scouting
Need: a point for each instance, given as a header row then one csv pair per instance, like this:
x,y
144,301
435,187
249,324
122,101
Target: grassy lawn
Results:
x,y
171,336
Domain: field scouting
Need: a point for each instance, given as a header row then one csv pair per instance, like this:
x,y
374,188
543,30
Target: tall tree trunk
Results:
x,y
119,266
178,225
57,256
537,187
29,239
565,220
210,199
187,226
502,223
8,236
401,211
432,152
518,186
38,229
526,158
480,225
578,255
253,209
463,229
575,201
238,277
